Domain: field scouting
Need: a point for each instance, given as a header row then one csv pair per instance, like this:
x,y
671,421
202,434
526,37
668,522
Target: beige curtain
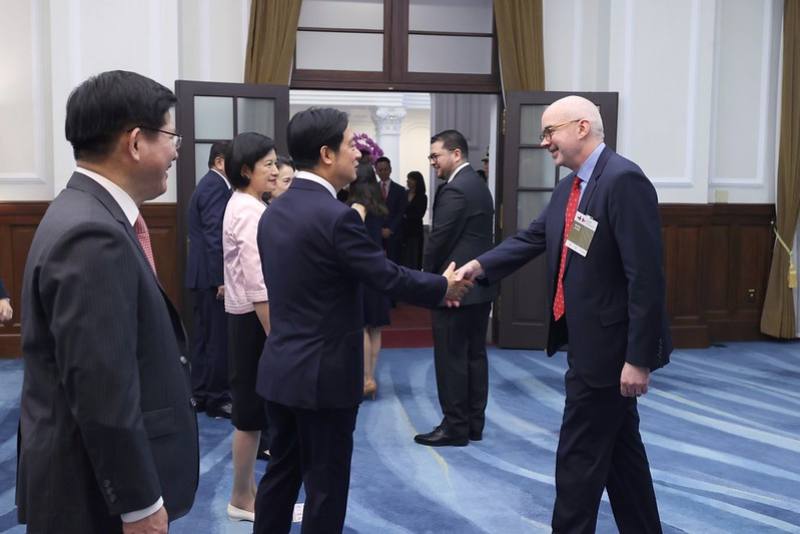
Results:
x,y
519,43
271,40
778,318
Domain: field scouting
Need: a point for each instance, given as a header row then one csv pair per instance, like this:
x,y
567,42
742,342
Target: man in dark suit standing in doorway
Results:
x,y
601,234
396,198
462,228
204,277
108,435
316,254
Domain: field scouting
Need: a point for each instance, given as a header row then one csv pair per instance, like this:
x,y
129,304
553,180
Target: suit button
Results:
x,y
183,360
106,483
193,402
112,499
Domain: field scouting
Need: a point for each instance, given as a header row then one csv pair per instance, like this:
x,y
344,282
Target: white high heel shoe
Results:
x,y
237,514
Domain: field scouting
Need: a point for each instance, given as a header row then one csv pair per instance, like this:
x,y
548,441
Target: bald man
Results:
x,y
602,238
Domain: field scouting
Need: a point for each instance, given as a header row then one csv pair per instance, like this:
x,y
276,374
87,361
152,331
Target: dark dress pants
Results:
x,y
600,448
209,349
312,447
462,371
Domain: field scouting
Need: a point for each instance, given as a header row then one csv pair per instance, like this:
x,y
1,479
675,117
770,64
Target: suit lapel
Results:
x,y
591,186
87,185
438,191
592,182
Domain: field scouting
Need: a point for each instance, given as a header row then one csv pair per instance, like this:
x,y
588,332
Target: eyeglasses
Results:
x,y
176,137
434,156
547,133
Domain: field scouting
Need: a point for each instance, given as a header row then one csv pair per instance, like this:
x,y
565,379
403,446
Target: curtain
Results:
x,y
520,44
270,41
777,318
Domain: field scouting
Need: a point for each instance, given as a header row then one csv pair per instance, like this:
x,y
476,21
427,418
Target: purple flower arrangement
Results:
x,y
370,150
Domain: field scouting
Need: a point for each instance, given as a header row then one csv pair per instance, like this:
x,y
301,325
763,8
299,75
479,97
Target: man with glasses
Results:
x,y
108,435
602,237
462,229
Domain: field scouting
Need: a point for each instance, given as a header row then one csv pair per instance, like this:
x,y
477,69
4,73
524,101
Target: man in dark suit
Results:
x,y
462,229
396,198
204,277
316,254
6,311
108,435
602,237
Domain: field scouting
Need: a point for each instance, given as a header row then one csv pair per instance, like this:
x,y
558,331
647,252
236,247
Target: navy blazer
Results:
x,y
614,297
396,202
3,292
106,423
315,254
206,210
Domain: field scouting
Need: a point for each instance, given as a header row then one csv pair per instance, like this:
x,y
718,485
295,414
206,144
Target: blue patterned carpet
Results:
x,y
722,429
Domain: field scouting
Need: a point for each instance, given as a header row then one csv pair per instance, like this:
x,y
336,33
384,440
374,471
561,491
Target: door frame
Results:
x,y
509,330
186,175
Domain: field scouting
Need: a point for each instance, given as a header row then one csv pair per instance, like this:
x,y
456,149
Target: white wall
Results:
x,y
698,79
698,84
52,46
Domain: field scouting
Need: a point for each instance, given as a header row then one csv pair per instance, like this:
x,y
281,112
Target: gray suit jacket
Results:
x,y
462,229
106,422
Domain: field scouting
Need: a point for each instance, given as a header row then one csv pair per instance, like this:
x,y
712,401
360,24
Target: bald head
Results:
x,y
575,107
571,129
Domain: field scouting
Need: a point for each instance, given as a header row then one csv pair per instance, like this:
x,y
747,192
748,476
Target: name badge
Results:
x,y
581,234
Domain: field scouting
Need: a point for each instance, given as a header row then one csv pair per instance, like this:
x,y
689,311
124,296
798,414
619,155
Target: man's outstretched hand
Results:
x,y
457,286
470,270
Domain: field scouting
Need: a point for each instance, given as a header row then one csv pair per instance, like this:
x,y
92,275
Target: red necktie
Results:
x,y
569,216
143,235
385,189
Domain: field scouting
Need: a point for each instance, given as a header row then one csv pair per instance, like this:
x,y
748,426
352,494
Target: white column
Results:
x,y
387,127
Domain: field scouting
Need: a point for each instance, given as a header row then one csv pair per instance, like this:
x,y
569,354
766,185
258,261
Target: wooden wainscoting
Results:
x,y
18,222
717,259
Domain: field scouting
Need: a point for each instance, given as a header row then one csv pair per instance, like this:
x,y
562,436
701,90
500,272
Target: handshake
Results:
x,y
459,281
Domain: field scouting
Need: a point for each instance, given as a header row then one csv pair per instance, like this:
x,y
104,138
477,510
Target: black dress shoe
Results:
x,y
199,405
219,412
439,437
475,436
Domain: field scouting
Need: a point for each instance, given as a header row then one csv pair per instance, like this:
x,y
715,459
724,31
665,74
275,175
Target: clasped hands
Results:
x,y
459,281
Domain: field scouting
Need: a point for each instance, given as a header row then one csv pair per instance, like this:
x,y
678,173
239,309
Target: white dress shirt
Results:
x,y
305,175
450,178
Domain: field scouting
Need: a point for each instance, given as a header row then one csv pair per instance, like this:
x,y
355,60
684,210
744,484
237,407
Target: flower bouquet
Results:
x,y
370,151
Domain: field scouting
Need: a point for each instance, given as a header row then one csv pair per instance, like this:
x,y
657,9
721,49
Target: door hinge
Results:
x,y
503,122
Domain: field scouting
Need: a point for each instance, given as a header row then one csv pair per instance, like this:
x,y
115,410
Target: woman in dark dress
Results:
x,y
365,198
412,220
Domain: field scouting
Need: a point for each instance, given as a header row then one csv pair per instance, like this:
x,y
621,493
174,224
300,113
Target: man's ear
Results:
x,y
584,127
131,140
326,155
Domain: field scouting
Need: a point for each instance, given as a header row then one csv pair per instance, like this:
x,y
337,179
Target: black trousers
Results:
x,y
209,349
462,371
312,447
600,448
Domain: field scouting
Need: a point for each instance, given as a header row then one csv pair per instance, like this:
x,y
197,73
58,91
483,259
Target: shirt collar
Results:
x,y
123,199
224,178
586,170
450,178
318,179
